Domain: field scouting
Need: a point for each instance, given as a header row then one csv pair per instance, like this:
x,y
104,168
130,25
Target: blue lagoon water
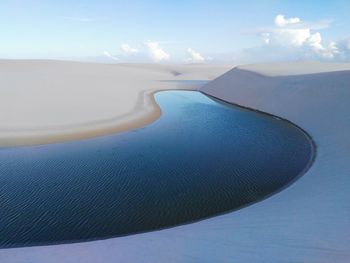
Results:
x,y
199,159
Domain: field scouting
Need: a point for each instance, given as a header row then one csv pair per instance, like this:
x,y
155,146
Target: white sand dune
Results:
x,y
307,222
48,101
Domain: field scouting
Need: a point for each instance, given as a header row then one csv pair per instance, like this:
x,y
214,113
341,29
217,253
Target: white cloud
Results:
x,y
330,51
156,53
128,49
194,56
285,36
281,21
292,33
315,40
110,56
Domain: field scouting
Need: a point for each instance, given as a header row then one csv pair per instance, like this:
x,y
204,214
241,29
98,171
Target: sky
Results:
x,y
182,31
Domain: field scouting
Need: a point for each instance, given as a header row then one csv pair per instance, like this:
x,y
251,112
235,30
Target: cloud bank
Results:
x,y
289,38
298,37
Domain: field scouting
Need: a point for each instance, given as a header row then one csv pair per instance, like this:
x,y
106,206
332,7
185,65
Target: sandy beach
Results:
x,y
307,222
52,101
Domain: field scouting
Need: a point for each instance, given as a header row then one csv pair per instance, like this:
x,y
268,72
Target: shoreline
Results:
x,y
57,101
143,114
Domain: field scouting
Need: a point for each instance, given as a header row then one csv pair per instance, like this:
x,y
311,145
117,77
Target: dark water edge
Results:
x,y
200,159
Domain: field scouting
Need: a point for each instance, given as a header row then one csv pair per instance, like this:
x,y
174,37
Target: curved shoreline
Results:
x,y
306,134
300,174
144,113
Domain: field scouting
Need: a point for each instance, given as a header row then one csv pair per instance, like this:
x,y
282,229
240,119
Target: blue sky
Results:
x,y
175,31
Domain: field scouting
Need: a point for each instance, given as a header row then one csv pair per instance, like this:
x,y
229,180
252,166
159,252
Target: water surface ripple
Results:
x,y
199,159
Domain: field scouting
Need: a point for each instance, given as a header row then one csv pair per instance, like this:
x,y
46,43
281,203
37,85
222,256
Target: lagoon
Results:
x,y
201,158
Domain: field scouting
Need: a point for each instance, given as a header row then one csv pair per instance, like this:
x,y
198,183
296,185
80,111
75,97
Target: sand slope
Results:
x,y
307,222
47,101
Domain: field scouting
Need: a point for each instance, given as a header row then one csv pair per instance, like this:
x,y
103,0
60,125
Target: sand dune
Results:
x,y
48,101
307,222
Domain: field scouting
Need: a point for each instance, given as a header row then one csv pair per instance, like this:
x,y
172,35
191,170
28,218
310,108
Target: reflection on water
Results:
x,y
200,159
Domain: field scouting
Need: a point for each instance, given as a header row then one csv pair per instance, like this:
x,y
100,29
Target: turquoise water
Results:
x,y
199,159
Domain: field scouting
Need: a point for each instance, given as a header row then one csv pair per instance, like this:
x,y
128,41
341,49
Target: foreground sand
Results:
x,y
50,101
307,222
